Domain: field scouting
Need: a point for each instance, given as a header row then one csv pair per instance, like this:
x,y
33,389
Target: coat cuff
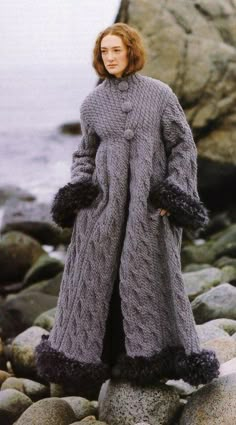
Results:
x,y
71,198
185,210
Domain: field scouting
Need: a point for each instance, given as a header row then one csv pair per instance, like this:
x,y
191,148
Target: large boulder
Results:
x,y
12,404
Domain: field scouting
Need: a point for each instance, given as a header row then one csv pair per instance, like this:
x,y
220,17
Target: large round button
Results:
x,y
126,106
129,134
123,85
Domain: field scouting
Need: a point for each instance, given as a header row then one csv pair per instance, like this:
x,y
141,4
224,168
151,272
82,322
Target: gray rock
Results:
x,y
23,346
81,407
20,311
200,281
34,390
216,303
49,286
228,368
33,219
123,404
207,331
213,404
49,411
9,191
46,319
195,267
225,348
12,404
45,267
18,252
228,325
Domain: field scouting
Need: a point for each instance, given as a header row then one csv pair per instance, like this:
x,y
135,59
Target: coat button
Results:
x,y
123,85
129,134
126,106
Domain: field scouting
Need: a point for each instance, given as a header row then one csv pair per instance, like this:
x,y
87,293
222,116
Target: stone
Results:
x,y
18,252
8,191
4,376
123,404
45,267
216,303
228,367
197,282
48,286
34,390
207,331
46,319
81,406
227,325
12,404
23,356
225,348
49,411
213,404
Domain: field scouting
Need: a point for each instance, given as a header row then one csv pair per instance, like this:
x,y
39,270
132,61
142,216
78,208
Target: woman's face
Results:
x,y
114,54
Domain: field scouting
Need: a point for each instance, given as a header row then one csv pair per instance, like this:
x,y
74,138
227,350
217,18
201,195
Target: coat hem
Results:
x,y
185,209
54,366
69,199
171,363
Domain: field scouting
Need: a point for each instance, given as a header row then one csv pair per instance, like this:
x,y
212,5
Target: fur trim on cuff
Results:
x,y
185,210
170,363
69,199
54,366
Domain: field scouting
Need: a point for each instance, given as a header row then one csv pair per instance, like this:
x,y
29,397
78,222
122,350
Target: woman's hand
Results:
x,y
163,212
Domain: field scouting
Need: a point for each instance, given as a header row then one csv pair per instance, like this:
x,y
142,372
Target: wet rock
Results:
x,y
120,403
12,404
45,267
22,356
49,411
34,390
216,303
18,252
213,404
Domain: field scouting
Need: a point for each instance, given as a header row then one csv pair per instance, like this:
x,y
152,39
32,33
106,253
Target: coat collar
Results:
x,y
123,81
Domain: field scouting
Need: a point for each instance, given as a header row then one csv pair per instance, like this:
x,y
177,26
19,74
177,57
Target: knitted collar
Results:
x,y
130,79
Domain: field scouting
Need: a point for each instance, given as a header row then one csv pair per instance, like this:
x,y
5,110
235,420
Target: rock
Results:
x,y
225,261
20,311
208,331
72,128
81,407
213,404
183,388
49,286
34,390
44,268
215,303
49,411
18,252
9,191
12,404
200,281
225,348
195,267
234,337
122,404
197,254
33,219
228,325
4,376
22,356
228,367
2,356
46,319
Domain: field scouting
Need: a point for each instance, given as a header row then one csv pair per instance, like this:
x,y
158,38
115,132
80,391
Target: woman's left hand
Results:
x,y
163,212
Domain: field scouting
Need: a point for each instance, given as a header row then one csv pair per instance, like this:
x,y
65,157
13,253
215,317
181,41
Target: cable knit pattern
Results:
x,y
135,140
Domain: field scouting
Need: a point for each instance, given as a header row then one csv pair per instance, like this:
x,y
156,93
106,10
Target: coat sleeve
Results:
x,y
81,190
178,192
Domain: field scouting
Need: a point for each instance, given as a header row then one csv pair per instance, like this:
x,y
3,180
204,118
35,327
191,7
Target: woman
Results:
x,y
122,311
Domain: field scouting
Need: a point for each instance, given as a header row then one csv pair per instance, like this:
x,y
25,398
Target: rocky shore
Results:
x,y
32,254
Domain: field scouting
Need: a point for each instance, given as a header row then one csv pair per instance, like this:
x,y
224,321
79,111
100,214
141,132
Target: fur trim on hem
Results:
x,y
53,366
170,363
186,210
69,199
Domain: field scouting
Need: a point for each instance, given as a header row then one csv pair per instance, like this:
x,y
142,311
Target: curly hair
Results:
x,y
132,40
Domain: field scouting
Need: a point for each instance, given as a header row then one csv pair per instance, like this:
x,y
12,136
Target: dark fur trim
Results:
x,y
54,366
69,199
185,210
170,363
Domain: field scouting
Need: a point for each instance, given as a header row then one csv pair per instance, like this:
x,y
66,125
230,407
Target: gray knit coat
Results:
x,y
136,155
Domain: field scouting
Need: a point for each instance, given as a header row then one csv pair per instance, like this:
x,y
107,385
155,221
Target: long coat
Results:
x,y
123,312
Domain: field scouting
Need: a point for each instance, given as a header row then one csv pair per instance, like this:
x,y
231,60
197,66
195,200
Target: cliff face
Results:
x,y
191,45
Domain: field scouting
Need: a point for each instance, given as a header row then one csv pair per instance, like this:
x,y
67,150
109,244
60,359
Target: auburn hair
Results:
x,y
132,40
